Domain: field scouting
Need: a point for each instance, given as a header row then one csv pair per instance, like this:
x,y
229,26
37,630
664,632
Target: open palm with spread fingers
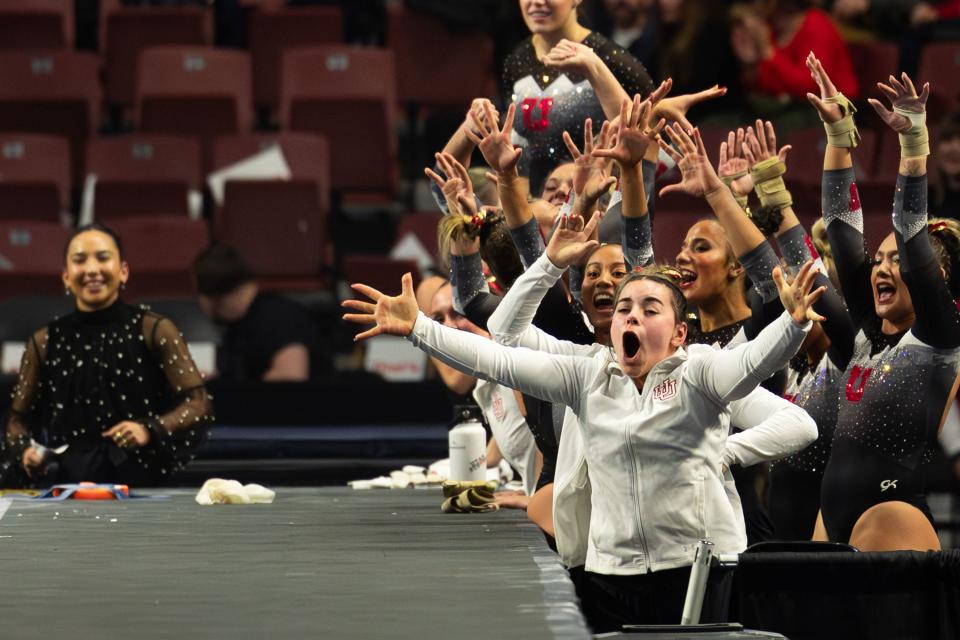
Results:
x,y
675,108
697,176
902,95
456,183
795,293
733,162
634,134
590,178
572,241
829,111
495,145
761,143
393,315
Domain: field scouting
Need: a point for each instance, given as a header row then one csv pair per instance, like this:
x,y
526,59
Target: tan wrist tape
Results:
x,y
915,142
768,182
728,180
842,133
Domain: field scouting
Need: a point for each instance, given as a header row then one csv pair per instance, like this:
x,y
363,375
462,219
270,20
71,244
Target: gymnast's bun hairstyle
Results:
x,y
667,275
496,244
767,218
945,238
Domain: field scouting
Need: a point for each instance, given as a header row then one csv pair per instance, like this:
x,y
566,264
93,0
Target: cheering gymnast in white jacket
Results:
x,y
654,418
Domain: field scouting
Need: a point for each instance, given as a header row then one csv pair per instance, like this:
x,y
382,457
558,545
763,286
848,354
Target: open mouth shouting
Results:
x,y
603,302
631,346
885,292
687,278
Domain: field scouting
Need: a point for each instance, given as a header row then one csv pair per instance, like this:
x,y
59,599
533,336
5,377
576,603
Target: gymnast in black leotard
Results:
x,y
904,367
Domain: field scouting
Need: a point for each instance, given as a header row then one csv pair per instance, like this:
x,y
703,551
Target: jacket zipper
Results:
x,y
636,484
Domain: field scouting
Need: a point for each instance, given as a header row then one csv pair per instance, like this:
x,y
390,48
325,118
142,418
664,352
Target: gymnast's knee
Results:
x,y
894,526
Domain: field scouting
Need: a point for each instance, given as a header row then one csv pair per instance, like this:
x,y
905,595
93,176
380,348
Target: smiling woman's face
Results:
x,y
705,261
94,270
604,271
645,329
547,16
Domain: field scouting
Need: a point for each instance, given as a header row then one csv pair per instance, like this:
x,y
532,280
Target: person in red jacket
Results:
x,y
772,39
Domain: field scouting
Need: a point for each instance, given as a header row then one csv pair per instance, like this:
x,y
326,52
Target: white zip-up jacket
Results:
x,y
653,457
773,427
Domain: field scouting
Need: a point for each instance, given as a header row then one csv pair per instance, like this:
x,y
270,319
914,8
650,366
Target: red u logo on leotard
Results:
x,y
527,107
855,394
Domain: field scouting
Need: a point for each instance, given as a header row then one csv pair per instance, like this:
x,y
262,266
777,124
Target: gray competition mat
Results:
x,y
318,563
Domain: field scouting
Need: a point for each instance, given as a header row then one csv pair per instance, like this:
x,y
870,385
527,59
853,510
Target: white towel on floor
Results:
x,y
220,491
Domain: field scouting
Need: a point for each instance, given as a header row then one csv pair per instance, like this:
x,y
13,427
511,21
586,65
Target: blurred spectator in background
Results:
x,y
772,39
632,24
266,336
945,185
693,47
930,22
867,20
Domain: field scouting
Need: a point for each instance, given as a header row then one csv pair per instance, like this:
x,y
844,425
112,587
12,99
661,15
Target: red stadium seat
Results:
x,y
273,32
346,95
129,31
940,66
306,155
379,272
805,160
670,228
279,226
143,174
460,64
423,226
34,177
27,25
874,62
31,258
55,93
194,91
160,251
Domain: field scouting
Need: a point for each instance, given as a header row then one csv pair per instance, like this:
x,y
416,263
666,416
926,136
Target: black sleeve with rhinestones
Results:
x,y
843,218
759,263
22,415
630,73
466,278
937,321
795,246
529,243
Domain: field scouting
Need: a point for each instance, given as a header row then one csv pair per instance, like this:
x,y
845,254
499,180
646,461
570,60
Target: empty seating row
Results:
x,y
140,174
285,247
37,25
344,94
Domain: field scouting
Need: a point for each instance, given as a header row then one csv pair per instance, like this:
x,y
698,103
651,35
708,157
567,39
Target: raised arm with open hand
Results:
x,y
393,315
572,241
456,183
676,108
904,100
697,176
795,293
591,177
495,145
734,168
634,134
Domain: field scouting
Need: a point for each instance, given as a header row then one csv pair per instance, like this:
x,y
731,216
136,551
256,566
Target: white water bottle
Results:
x,y
468,452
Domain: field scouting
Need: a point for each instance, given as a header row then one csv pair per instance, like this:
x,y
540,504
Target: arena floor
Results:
x,y
317,563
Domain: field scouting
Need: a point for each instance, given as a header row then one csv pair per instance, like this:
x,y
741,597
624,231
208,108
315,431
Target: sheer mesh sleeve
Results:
x,y
21,417
194,409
